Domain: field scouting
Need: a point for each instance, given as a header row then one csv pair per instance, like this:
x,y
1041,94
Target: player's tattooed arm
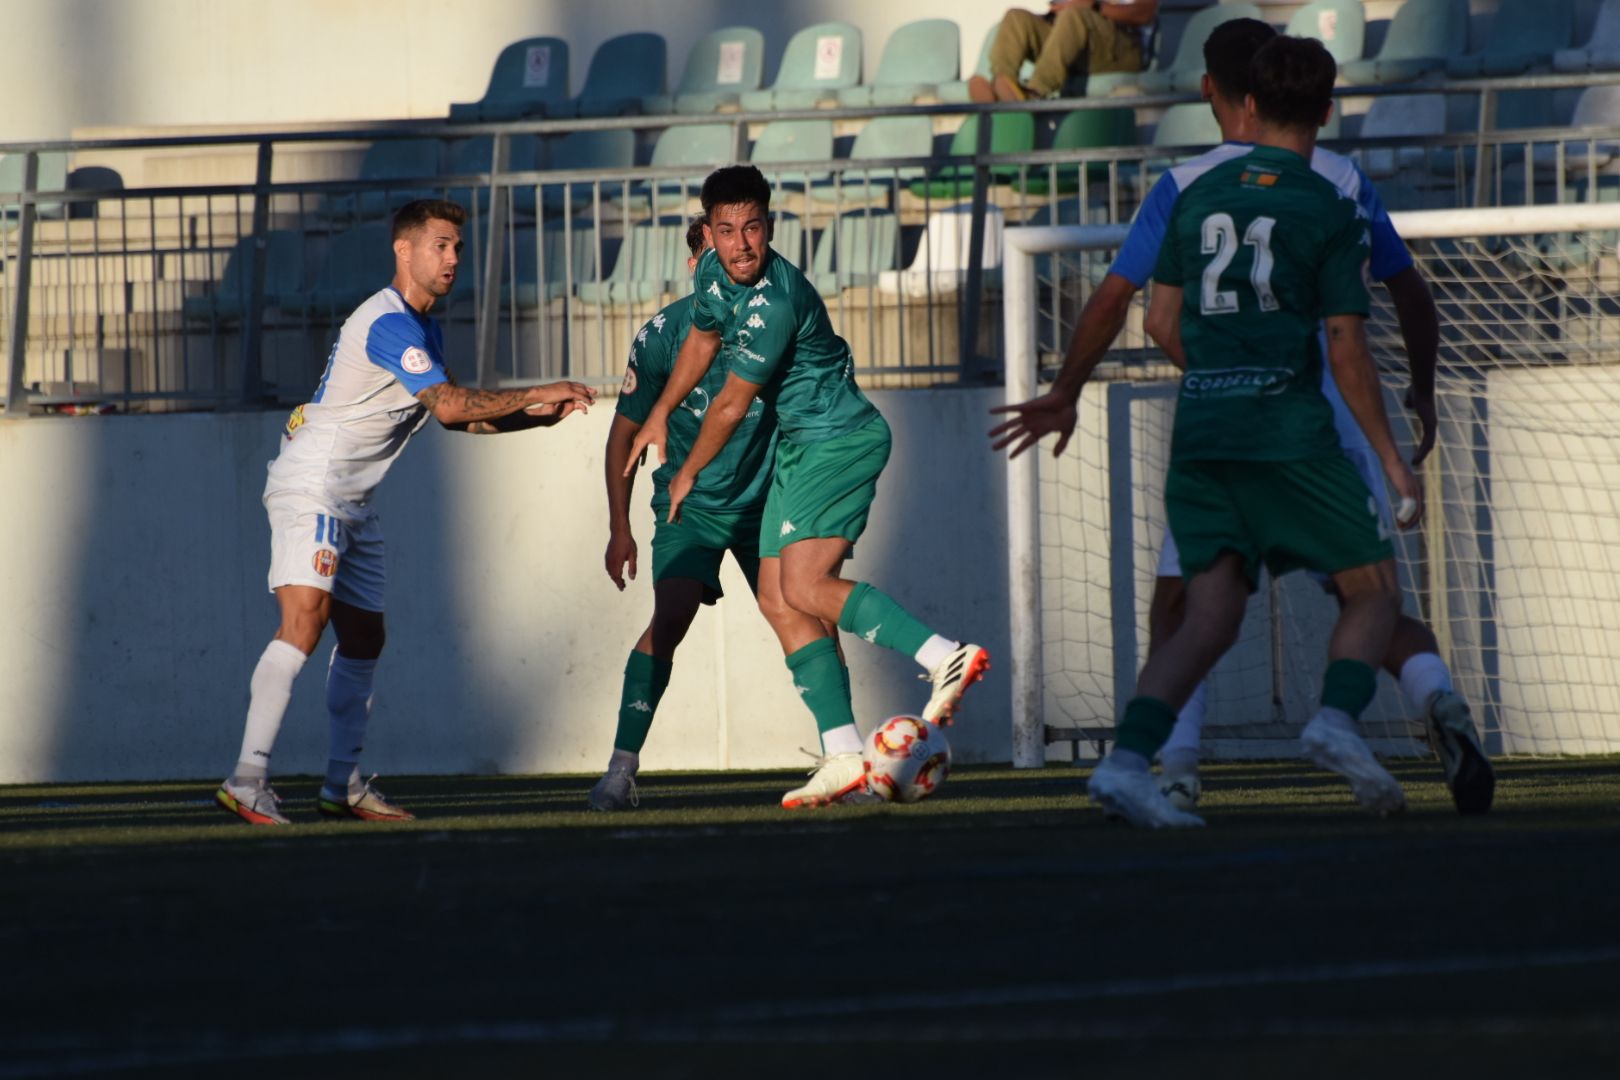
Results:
x,y
471,409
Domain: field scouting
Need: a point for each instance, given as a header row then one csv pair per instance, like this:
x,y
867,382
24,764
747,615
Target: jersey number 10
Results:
x,y
1219,238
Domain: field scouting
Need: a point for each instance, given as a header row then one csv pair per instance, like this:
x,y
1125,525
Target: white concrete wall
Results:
x,y
98,63
136,553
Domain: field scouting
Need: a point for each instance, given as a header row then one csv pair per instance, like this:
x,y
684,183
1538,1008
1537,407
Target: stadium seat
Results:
x,y
1189,125
1421,36
700,147
819,61
601,151
917,59
624,70
358,262
469,157
1597,107
956,91
882,137
787,236
787,142
52,175
570,262
1184,73
854,250
1341,25
283,275
720,68
1524,34
1086,129
1601,51
940,266
408,162
1395,116
1010,133
651,262
530,76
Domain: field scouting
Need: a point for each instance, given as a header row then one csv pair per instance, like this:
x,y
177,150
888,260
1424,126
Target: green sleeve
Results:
x,y
1342,279
1167,270
709,283
644,376
765,335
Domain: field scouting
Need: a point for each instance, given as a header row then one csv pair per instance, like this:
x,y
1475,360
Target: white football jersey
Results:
x,y
339,445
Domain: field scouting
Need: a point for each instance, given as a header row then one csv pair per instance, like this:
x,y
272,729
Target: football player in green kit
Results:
x,y
754,310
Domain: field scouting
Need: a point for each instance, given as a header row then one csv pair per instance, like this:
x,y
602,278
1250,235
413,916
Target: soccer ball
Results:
x,y
907,759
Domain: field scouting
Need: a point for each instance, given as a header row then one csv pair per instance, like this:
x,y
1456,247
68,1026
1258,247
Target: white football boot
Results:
x,y
254,801
965,666
615,791
367,804
1135,797
1181,788
1344,752
834,778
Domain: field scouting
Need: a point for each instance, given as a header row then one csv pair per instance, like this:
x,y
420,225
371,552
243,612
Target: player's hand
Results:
x,y
654,432
1422,407
621,556
1408,493
1034,419
679,488
547,413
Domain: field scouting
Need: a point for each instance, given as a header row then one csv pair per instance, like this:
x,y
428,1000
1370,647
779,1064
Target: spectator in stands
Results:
x,y
1092,36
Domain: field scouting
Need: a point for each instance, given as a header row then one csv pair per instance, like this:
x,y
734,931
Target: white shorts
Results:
x,y
1366,463
309,545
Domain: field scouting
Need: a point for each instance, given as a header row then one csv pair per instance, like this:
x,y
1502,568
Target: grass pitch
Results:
x,y
1002,928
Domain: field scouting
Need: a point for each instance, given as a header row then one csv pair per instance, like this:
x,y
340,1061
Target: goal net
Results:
x,y
1516,566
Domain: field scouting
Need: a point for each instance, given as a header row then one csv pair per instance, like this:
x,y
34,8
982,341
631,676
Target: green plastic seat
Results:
x,y
722,66
1601,52
956,92
402,164
469,157
1087,129
51,175
1524,34
623,71
854,251
819,61
651,262
570,262
283,274
1340,25
1185,71
882,137
916,59
788,142
358,262
530,77
602,151
1010,133
702,147
1421,36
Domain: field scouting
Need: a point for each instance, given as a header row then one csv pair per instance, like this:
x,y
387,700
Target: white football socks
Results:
x,y
1186,736
1423,676
270,690
934,651
348,704
843,739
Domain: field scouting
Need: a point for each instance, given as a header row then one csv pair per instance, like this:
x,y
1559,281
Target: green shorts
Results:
x,y
823,489
1290,515
694,546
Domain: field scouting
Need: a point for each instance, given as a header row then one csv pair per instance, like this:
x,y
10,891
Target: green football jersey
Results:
x,y
739,477
776,333
1265,248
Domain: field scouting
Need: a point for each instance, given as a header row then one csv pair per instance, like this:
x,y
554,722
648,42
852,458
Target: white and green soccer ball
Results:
x,y
907,759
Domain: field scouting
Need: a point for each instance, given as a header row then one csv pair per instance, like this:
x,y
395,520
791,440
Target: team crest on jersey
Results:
x,y
295,420
758,301
416,361
325,562
755,321
629,385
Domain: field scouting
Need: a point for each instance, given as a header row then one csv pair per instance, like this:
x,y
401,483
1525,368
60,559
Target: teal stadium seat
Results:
x,y
1341,25
1185,71
721,67
1010,133
1188,125
469,157
819,61
51,175
1395,116
1524,34
700,147
882,137
406,166
1601,51
569,262
1421,36
1085,129
916,60
600,151
955,92
651,262
530,77
358,262
1596,107
787,237
283,275
624,70
791,142
854,250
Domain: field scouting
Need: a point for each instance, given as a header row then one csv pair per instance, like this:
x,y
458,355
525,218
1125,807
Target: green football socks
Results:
x,y
645,678
871,615
822,681
1349,686
1146,726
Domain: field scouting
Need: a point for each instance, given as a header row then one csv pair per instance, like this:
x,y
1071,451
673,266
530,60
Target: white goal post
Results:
x,y
1517,566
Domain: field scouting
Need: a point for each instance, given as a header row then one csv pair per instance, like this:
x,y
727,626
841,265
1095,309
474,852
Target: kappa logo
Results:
x,y
764,283
788,528
871,635
639,706
658,322
416,361
714,287
758,301
803,690
641,336
755,321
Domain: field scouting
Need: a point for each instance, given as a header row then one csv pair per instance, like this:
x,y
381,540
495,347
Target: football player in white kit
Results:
x,y
386,375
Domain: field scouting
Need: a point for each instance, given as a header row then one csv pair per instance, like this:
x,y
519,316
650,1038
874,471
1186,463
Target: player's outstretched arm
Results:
x,y
1163,322
1420,330
691,364
727,410
1353,370
486,412
619,472
1101,320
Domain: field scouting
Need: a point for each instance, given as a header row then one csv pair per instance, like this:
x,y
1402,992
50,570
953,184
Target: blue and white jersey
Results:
x,y
339,445
1140,251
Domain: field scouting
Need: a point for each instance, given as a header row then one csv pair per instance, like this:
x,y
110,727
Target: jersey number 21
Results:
x,y
1219,238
